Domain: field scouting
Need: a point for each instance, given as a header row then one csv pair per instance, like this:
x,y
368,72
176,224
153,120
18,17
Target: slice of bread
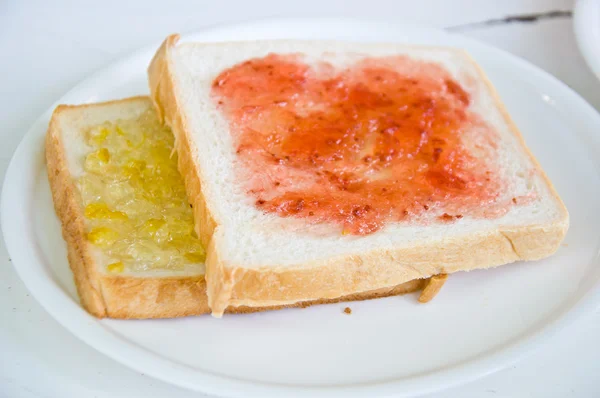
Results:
x,y
152,293
257,257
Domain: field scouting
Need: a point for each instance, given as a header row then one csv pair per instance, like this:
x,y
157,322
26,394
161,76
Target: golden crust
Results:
x,y
128,297
234,285
432,287
404,288
119,296
136,297
142,298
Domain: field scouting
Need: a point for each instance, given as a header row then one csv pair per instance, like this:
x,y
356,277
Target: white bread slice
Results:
x,y
258,259
148,294
156,294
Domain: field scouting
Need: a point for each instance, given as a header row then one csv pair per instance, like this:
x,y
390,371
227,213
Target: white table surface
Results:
x,y
48,47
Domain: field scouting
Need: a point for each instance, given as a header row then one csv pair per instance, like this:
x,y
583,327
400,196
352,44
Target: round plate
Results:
x,y
586,22
480,322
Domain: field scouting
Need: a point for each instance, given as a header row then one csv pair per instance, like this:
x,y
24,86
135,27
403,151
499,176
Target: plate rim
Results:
x,y
90,329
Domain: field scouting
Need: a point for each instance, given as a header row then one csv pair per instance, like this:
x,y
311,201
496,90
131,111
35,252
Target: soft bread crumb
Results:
x,y
348,310
432,288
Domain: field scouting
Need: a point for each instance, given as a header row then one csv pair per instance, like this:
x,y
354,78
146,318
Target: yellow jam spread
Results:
x,y
134,198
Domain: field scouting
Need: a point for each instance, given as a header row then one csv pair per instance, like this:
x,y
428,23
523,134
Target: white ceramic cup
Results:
x,y
586,23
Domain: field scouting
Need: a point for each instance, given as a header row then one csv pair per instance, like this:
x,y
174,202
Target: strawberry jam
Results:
x,y
383,140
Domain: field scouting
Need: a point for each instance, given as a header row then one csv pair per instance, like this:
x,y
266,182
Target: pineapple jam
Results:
x,y
134,198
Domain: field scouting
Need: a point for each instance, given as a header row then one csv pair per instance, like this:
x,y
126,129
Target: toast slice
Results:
x,y
127,276
283,222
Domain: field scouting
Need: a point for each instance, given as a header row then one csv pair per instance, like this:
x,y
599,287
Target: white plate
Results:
x,y
586,23
480,322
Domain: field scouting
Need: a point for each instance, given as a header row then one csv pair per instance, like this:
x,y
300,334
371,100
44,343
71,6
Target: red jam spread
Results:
x,y
376,142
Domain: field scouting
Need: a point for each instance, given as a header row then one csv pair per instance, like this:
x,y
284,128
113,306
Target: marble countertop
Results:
x,y
48,47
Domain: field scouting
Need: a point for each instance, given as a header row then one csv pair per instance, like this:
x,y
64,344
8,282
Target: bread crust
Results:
x,y
432,287
123,296
234,285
